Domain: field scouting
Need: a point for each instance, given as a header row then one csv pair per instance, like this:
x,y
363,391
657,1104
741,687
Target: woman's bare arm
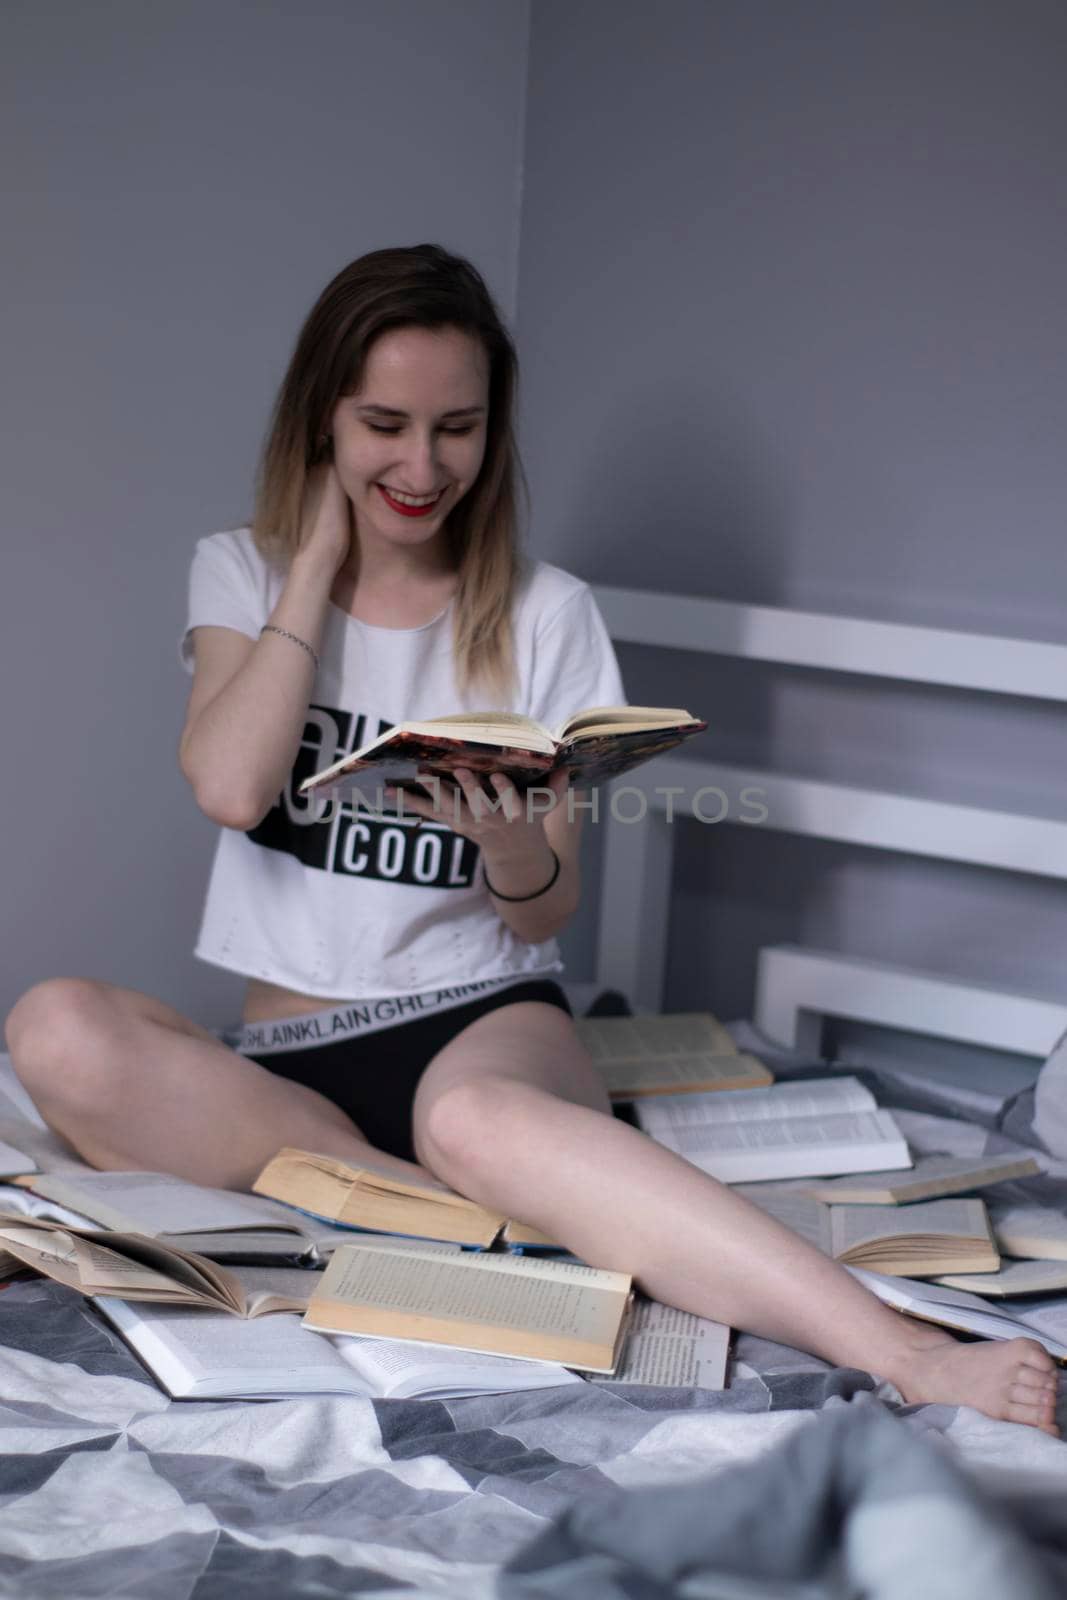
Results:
x,y
249,697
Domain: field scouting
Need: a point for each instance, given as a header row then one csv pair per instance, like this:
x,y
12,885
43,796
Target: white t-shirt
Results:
x,y
367,905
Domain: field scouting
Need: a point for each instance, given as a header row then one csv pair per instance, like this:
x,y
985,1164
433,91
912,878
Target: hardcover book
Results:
x,y
592,745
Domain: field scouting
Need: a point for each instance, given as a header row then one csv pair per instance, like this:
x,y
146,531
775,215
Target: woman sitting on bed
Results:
x,y
400,995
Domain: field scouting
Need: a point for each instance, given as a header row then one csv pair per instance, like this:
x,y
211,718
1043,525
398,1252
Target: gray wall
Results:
x,y
792,312
181,180
790,309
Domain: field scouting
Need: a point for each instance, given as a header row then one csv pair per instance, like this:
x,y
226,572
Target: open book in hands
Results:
x,y
592,745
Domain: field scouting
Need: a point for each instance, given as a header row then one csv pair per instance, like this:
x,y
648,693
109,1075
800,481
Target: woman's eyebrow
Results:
x,y
390,411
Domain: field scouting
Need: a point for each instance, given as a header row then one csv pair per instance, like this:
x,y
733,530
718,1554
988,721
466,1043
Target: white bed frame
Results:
x,y
797,988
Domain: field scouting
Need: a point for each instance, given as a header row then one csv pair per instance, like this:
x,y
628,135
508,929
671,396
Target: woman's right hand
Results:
x,y
325,518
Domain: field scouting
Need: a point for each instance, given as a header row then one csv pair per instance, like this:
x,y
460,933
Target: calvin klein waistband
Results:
x,y
359,1017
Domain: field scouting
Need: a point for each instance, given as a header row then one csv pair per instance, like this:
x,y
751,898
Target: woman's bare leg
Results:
x,y
135,1086
512,1113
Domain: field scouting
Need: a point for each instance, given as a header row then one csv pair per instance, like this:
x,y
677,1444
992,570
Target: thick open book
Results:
x,y
593,745
684,1052
930,1178
212,1222
200,1355
363,1197
804,1129
131,1267
952,1308
495,1304
915,1241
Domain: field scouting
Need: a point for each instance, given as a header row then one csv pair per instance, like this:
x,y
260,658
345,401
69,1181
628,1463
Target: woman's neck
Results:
x,y
381,570
394,594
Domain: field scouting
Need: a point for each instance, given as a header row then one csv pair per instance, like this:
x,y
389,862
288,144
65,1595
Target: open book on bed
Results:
x,y
807,1128
593,745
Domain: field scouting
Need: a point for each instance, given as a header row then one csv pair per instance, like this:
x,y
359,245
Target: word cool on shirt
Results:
x,y
355,841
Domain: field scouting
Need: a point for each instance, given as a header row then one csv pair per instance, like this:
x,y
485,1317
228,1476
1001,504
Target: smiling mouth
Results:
x,y
409,505
417,501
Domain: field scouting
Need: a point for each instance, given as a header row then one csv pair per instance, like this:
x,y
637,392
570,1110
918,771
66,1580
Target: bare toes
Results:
x,y
1037,1416
1031,1354
1033,1386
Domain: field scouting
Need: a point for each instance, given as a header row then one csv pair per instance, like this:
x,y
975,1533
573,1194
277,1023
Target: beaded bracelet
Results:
x,y
268,627
536,893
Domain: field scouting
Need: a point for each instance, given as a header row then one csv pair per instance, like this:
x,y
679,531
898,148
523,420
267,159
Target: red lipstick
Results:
x,y
408,511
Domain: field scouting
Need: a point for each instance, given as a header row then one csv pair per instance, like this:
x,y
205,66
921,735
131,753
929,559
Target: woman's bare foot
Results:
x,y
1013,1380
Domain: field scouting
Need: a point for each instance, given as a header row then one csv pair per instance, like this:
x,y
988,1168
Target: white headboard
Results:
x,y
797,987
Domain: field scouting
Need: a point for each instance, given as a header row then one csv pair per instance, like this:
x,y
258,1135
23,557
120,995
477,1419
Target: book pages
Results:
x,y
816,1098
213,1355
104,1271
952,1308
673,1349
854,1226
930,1176
797,1210
1046,1321
683,1033
49,1251
508,1291
502,1304
1014,1277
1030,1231
154,1203
701,1074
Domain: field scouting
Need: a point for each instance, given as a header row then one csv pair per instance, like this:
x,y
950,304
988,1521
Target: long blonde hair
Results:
x,y
417,286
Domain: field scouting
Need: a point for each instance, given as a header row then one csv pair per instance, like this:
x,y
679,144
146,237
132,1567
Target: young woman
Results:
x,y
400,1005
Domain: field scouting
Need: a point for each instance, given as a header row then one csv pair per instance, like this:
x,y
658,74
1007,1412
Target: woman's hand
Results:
x,y
325,519
511,832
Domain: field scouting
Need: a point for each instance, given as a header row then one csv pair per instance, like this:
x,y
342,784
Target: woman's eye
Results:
x,y
377,427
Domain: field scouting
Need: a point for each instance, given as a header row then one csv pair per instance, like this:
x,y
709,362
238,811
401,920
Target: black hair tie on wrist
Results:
x,y
536,893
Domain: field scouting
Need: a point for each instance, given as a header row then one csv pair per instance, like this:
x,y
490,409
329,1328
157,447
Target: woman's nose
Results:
x,y
422,465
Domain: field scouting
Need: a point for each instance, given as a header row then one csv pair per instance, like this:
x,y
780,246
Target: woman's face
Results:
x,y
410,442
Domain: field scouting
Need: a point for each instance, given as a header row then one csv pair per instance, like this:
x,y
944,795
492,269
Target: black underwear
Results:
x,y
373,1076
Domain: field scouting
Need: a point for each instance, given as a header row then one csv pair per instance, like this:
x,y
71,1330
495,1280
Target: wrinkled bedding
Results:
x,y
799,1480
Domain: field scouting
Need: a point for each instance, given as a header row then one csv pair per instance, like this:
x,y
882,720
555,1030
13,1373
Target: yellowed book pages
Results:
x,y
495,1304
925,1240
684,1052
130,1267
698,1074
678,1033
1036,1231
931,1177
916,1239
364,1197
524,1233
